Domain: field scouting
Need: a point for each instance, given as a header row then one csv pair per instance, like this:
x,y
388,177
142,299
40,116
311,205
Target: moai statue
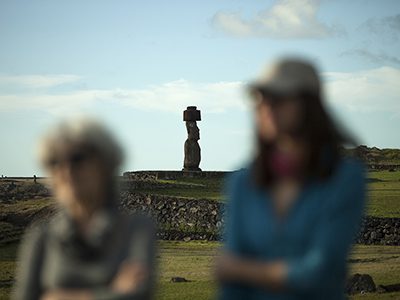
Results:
x,y
192,148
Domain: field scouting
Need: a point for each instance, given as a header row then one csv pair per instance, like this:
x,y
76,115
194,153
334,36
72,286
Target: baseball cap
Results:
x,y
288,76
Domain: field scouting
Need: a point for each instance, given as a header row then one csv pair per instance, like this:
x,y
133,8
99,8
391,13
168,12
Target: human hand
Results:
x,y
227,266
270,274
129,277
64,294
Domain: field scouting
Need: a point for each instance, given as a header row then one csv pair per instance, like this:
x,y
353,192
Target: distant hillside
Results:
x,y
376,156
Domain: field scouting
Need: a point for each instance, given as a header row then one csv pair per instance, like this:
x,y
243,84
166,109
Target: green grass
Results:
x,y
189,193
191,188
8,254
382,263
194,261
384,194
186,290
191,260
21,210
31,205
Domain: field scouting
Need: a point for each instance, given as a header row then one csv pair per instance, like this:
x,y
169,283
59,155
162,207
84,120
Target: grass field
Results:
x,y
197,188
383,192
194,261
7,268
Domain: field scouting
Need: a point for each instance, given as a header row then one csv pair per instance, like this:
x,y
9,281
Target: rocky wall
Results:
x,y
202,219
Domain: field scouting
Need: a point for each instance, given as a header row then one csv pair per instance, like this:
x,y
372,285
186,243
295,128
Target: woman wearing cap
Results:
x,y
293,212
89,250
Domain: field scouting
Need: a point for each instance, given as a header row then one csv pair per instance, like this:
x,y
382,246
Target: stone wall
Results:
x,y
383,167
138,175
202,219
135,184
178,218
380,231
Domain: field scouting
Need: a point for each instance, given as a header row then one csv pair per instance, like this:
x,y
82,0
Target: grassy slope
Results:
x,y
384,194
26,209
208,188
194,261
30,205
7,268
378,156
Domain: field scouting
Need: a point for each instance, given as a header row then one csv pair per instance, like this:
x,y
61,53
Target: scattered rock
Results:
x,y
178,279
360,283
388,288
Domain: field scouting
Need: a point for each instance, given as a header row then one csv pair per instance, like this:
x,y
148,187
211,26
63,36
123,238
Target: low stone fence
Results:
x,y
383,167
380,231
191,217
131,185
202,219
140,175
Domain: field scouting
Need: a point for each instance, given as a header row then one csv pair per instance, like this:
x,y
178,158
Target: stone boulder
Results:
x,y
360,284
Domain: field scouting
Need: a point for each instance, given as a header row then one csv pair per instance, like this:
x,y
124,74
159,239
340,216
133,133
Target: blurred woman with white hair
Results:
x,y
89,250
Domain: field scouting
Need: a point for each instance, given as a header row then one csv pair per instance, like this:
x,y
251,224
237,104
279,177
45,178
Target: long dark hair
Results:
x,y
324,140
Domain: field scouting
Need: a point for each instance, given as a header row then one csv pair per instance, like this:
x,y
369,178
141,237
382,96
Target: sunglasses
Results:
x,y
74,159
273,98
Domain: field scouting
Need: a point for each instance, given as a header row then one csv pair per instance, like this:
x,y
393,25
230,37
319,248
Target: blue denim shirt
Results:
x,y
314,238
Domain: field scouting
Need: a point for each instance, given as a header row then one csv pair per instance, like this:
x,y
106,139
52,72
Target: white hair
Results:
x,y
82,132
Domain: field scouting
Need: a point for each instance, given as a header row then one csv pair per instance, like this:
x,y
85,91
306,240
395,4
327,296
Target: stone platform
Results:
x,y
166,174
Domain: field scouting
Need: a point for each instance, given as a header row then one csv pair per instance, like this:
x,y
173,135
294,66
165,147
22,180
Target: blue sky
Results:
x,y
138,64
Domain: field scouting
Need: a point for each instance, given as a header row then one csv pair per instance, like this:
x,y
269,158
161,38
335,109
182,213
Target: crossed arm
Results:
x,y
130,277
235,269
133,280
340,218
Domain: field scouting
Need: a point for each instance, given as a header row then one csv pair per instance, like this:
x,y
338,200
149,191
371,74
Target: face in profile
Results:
x,y
78,175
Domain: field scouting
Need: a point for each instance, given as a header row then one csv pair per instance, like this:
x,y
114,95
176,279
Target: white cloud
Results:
x,y
37,81
175,95
233,24
365,91
169,97
285,19
58,104
361,91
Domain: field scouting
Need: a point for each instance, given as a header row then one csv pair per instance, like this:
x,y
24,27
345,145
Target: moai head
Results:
x,y
190,116
192,130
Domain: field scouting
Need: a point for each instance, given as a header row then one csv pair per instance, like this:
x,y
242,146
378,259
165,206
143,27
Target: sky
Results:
x,y
137,65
